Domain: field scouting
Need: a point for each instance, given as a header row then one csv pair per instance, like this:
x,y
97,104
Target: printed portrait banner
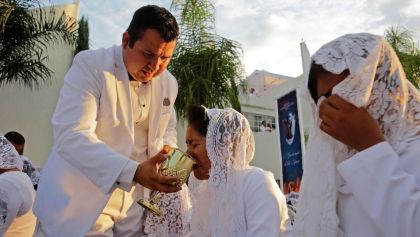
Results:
x,y
290,146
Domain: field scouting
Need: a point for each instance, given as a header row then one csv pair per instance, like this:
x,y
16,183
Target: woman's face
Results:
x,y
326,81
196,144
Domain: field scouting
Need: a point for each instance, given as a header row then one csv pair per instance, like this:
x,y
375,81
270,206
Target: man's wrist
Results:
x,y
136,177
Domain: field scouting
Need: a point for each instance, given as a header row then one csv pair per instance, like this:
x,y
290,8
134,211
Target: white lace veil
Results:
x,y
377,82
9,157
230,148
176,215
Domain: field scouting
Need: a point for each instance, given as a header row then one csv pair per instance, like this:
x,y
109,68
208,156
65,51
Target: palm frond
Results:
x,y
5,9
408,51
399,37
28,30
47,28
207,66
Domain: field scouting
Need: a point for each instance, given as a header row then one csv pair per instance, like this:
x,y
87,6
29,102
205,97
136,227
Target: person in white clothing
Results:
x,y
361,170
265,127
16,194
18,141
114,114
230,197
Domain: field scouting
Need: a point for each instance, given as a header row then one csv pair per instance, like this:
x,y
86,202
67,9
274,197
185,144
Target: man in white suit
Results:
x,y
114,114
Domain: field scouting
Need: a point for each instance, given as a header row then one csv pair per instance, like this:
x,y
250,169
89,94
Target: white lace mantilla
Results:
x,y
9,157
176,215
377,82
4,199
230,148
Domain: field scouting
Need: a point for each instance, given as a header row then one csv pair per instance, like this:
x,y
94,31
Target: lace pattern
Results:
x,y
230,148
4,199
378,83
9,157
31,170
174,222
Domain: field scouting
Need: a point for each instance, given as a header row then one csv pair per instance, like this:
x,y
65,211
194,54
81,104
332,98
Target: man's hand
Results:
x,y
353,126
147,175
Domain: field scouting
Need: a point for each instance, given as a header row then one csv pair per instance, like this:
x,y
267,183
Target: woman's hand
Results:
x,y
351,125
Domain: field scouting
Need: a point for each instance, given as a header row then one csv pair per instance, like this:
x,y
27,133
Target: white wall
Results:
x,y
29,112
267,154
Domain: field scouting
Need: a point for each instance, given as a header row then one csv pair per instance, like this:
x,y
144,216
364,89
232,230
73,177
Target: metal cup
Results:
x,y
179,164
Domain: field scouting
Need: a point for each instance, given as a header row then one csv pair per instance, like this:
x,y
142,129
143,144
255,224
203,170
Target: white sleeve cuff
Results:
x,y
125,179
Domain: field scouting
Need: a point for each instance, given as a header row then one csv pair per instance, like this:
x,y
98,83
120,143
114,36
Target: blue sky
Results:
x,y
269,30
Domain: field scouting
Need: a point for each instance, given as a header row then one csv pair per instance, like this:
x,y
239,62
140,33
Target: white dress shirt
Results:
x,y
140,104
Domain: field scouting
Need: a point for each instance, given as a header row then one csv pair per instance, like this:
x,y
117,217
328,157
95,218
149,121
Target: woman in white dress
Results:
x,y
16,194
361,171
230,197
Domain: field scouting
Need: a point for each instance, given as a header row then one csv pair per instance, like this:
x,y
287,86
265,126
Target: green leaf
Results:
x,y
208,67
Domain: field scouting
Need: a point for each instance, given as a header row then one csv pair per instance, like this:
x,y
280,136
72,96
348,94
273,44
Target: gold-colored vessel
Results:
x,y
177,164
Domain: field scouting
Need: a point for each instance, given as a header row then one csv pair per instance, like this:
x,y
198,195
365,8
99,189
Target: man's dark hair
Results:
x,y
153,17
15,138
198,119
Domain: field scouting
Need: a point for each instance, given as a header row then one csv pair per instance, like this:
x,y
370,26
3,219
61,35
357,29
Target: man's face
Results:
x,y
196,144
149,56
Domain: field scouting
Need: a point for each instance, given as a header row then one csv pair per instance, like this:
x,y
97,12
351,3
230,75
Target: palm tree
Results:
x,y
407,50
208,67
26,31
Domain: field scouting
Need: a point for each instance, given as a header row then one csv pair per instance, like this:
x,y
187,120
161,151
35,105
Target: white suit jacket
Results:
x,y
93,138
379,193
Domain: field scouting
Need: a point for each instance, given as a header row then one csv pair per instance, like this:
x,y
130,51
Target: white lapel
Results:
x,y
123,90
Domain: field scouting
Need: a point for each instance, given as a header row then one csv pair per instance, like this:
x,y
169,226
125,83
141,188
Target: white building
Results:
x,y
28,111
263,106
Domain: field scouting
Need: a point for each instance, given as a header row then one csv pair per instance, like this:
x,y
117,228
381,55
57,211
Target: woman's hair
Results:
x,y
198,119
15,137
312,81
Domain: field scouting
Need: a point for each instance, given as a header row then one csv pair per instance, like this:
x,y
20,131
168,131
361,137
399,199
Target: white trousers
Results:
x,y
121,217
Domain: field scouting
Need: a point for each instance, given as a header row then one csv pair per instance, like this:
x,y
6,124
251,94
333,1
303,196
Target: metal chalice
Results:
x,y
179,164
